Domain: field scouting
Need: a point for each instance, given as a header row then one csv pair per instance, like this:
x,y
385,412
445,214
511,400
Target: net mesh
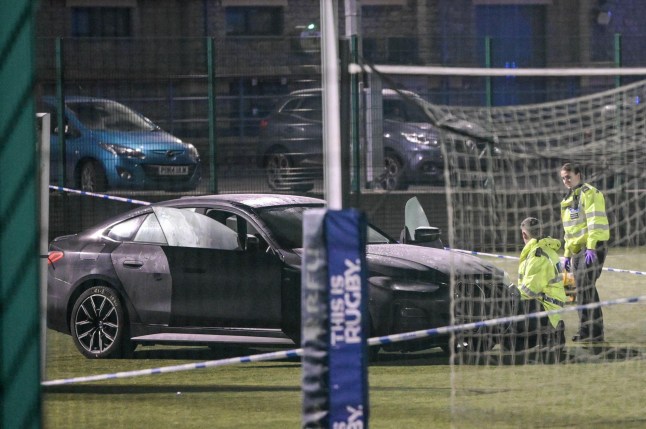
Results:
x,y
501,165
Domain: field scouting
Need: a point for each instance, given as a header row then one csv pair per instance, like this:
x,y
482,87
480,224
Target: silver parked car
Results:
x,y
291,142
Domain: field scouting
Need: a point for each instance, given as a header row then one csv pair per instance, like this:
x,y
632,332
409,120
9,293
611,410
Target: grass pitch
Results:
x,y
420,390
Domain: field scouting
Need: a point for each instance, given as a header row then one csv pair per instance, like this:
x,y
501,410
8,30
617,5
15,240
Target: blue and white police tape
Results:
x,y
388,339
494,255
493,322
102,196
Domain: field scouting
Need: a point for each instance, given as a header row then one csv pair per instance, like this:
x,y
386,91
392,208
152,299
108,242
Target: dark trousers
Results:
x,y
585,277
537,331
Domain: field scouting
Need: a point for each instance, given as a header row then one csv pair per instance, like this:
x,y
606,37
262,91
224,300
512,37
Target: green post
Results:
x,y
20,370
60,112
617,57
213,185
488,95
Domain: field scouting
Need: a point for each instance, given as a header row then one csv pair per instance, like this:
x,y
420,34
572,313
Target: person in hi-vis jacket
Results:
x,y
585,223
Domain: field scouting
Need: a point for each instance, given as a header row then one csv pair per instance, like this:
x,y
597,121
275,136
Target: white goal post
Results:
x,y
514,174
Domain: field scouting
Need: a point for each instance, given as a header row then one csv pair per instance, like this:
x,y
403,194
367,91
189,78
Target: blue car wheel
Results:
x,y
92,177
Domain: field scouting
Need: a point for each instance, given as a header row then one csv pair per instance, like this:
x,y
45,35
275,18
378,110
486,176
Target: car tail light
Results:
x,y
54,256
264,123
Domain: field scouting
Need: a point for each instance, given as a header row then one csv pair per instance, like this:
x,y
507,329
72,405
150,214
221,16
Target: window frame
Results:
x,y
99,19
275,16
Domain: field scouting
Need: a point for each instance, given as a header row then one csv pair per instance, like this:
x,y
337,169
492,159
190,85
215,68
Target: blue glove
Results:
x,y
566,264
590,256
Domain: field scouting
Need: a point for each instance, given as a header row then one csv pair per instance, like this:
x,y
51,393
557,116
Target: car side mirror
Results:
x,y
426,234
67,130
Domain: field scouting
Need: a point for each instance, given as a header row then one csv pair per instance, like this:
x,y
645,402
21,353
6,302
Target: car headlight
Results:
x,y
402,285
420,138
119,150
192,151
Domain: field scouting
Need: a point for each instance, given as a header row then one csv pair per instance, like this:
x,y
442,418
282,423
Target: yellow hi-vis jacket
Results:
x,y
583,212
539,275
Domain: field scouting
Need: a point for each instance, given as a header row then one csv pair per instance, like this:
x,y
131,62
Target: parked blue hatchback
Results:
x,y
110,146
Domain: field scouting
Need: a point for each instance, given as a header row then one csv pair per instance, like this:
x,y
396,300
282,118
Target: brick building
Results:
x,y
155,54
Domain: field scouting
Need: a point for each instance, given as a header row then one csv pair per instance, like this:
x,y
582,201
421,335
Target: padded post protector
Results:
x,y
334,320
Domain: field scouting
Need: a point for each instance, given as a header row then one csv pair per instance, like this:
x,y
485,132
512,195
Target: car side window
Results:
x,y
246,232
311,108
150,231
125,230
375,237
291,106
186,228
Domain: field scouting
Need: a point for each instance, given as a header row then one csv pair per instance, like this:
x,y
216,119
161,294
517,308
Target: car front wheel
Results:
x,y
283,175
278,169
92,178
392,179
98,324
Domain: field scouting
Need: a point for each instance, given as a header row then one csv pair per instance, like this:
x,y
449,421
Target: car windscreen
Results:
x,y
286,226
109,116
398,109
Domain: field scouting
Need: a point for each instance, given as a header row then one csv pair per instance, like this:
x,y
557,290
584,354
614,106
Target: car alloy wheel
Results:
x,y
391,179
97,324
278,169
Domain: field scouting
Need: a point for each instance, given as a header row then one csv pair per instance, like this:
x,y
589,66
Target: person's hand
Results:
x,y
590,256
566,264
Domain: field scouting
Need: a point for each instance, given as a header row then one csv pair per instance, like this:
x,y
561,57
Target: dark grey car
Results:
x,y
227,269
291,142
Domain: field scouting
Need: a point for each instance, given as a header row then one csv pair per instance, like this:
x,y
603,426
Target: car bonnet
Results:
x,y
140,138
420,258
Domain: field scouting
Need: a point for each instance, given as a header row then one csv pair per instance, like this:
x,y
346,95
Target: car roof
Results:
x,y
249,200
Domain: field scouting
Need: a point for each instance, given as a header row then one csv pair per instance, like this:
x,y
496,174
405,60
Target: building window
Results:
x,y
101,22
402,50
254,21
391,50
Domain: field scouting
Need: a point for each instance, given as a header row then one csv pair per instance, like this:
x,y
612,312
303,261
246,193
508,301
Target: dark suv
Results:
x,y
290,144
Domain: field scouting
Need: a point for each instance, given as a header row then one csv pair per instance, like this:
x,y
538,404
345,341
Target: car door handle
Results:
x,y
132,264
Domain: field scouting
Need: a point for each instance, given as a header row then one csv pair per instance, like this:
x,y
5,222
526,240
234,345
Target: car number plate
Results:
x,y
172,170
